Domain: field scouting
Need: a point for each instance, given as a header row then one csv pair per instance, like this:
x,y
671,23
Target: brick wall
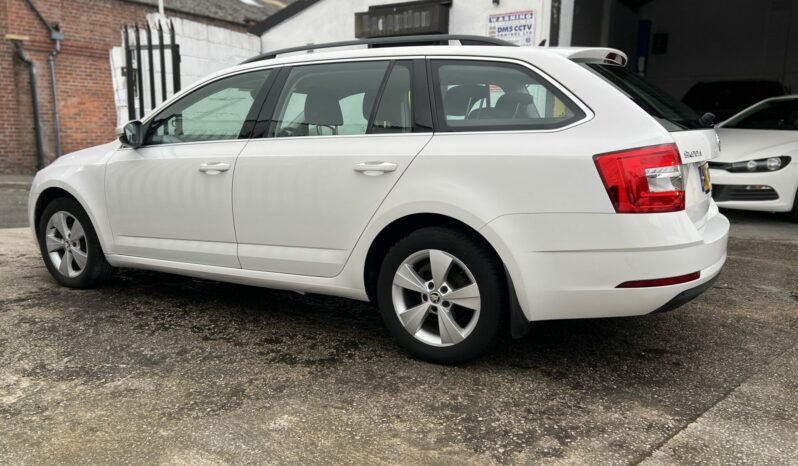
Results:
x,y
85,89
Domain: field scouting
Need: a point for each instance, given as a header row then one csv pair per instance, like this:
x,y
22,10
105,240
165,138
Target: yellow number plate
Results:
x,y
706,183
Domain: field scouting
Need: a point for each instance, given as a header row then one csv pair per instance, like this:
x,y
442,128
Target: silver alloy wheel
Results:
x,y
66,244
436,297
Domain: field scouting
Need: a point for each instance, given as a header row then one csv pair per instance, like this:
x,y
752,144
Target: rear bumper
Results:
x,y
784,182
567,266
686,296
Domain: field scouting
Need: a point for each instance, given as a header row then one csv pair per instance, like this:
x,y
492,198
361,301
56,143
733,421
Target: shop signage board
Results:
x,y
517,27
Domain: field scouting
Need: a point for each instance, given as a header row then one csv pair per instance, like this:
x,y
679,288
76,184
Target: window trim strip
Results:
x,y
423,120
266,115
378,98
254,110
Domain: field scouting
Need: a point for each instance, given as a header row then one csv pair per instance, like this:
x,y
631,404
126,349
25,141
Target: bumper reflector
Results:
x,y
661,281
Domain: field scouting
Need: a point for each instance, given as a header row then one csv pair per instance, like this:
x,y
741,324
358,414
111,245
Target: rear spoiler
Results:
x,y
601,55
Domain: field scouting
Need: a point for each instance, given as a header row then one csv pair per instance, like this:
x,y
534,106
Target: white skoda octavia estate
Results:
x,y
466,189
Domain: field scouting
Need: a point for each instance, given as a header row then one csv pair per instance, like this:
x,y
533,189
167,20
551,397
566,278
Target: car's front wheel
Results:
x,y
442,295
69,245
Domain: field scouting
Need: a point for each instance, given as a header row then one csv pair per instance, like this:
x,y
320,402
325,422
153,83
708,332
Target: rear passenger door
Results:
x,y
335,139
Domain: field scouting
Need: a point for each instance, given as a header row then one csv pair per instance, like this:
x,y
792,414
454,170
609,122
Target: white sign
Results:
x,y
517,27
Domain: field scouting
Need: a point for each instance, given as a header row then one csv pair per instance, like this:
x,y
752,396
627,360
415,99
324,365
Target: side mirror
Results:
x,y
131,135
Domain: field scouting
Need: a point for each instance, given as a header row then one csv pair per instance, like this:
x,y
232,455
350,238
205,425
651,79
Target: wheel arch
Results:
x,y
45,198
401,227
54,190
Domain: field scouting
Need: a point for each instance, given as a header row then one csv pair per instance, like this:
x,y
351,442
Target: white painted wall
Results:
x,y
334,20
204,50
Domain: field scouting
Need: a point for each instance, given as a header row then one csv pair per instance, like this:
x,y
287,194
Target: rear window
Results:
x,y
671,113
496,96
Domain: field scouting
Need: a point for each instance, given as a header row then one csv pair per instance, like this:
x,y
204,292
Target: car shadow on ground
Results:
x,y
672,351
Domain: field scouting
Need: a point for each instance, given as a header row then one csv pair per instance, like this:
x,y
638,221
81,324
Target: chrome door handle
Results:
x,y
214,168
375,168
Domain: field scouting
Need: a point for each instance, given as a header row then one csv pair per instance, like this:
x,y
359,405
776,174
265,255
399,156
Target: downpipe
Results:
x,y
57,36
56,116
37,124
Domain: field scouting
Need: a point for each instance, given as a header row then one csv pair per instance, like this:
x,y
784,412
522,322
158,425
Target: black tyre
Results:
x,y
442,295
69,245
793,214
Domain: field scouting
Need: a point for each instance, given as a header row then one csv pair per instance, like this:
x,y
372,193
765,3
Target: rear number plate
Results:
x,y
706,185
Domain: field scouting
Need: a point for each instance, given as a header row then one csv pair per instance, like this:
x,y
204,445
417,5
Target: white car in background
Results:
x,y
757,168
467,190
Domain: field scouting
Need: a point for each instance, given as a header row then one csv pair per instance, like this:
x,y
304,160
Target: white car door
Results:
x,y
171,198
340,137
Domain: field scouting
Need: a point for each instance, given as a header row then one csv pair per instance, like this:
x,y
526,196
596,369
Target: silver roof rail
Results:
x,y
433,39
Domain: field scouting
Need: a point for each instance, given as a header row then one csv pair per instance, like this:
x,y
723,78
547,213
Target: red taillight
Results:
x,y
644,180
661,281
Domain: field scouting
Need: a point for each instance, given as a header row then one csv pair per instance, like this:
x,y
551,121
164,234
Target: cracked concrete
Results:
x,y
154,368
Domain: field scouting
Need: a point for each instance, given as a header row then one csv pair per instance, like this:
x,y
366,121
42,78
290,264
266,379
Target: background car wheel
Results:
x,y
69,245
442,295
793,214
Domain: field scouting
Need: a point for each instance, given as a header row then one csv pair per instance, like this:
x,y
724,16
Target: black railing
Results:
x,y
133,72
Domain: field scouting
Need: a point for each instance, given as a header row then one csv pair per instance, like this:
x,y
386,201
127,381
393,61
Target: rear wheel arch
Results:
x,y
401,227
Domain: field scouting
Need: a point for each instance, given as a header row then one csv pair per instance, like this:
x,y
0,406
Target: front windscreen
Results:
x,y
779,114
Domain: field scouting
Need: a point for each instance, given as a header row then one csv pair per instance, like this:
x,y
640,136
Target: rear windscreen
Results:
x,y
671,113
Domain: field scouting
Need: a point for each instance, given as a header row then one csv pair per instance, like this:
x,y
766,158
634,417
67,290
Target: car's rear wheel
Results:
x,y
442,295
69,245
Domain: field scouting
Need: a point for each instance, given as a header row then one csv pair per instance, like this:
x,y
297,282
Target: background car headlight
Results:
x,y
773,163
769,164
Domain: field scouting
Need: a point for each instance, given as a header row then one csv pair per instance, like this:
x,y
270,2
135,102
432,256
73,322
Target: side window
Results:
x,y
485,96
328,99
395,111
213,112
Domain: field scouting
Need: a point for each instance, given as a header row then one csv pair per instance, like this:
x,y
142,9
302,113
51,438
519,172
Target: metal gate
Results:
x,y
133,70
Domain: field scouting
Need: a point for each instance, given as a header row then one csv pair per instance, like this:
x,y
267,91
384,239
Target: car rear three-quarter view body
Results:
x,y
466,190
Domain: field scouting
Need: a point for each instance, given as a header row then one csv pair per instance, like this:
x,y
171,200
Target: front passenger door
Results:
x,y
171,199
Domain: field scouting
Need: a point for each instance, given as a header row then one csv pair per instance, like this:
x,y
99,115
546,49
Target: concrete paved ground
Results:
x,y
154,368
13,204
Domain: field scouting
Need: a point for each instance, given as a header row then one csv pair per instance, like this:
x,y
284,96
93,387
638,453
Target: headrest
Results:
x,y
516,104
323,109
460,99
